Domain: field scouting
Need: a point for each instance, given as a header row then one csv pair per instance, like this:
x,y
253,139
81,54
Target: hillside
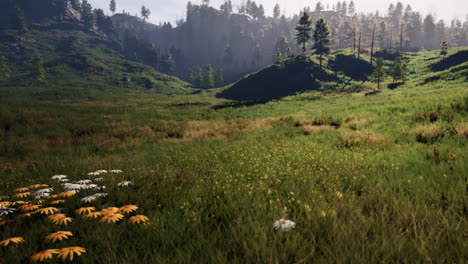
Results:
x,y
78,62
356,173
343,73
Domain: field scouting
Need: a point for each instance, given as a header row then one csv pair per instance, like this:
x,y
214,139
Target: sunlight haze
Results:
x,y
170,10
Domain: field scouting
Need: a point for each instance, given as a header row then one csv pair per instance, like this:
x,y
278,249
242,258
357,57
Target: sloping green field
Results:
x,y
366,179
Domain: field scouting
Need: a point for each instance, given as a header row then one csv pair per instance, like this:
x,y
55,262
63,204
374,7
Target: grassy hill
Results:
x,y
79,64
366,179
344,73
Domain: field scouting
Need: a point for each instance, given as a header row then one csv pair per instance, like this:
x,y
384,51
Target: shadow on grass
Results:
x,y
238,104
393,86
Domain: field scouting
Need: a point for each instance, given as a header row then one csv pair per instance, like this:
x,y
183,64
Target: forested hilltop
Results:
x,y
230,42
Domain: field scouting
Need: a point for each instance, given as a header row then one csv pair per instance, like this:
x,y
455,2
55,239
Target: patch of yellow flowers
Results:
x,y
109,215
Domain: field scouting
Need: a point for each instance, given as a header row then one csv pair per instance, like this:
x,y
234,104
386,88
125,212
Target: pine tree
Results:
x,y
226,7
282,45
379,72
38,71
4,69
219,78
443,49
352,8
198,78
228,57
278,58
112,6
19,23
322,39
145,12
100,18
75,4
399,69
429,32
208,77
190,76
303,31
276,12
87,14
318,8
168,64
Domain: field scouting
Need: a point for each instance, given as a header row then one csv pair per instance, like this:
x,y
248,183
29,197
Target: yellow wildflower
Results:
x,y
57,201
138,219
111,218
15,240
56,217
128,209
37,186
66,194
17,202
44,255
47,210
92,215
85,210
69,252
110,210
22,195
29,207
58,236
5,204
23,189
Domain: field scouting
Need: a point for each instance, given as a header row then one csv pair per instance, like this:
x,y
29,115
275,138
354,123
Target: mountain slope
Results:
x,y
77,58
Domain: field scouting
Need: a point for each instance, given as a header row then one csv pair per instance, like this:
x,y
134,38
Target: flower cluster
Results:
x,y
39,200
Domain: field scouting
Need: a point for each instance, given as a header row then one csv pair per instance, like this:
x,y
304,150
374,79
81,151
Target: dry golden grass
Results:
x,y
427,133
365,137
357,120
461,129
309,129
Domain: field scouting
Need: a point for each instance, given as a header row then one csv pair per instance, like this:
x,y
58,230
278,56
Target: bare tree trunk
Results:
x,y
391,36
340,37
372,45
359,45
354,42
401,37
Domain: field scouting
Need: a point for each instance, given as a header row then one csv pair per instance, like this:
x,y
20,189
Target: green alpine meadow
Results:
x,y
235,134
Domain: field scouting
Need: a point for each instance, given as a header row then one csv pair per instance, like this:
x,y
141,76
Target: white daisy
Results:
x,y
41,195
88,199
98,195
101,171
83,181
88,186
98,179
44,190
94,173
100,188
115,171
284,225
124,183
72,186
58,177
6,210
63,180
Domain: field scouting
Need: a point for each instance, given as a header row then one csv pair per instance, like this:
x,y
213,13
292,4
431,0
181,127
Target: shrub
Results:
x,y
350,139
428,134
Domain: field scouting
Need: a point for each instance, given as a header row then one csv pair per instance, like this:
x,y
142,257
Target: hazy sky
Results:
x,y
170,10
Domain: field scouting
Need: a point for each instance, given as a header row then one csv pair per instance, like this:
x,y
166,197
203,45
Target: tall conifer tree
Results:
x,y
379,72
38,71
322,39
4,69
112,6
303,31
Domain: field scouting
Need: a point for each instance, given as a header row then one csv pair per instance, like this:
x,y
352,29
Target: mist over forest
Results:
x,y
235,41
